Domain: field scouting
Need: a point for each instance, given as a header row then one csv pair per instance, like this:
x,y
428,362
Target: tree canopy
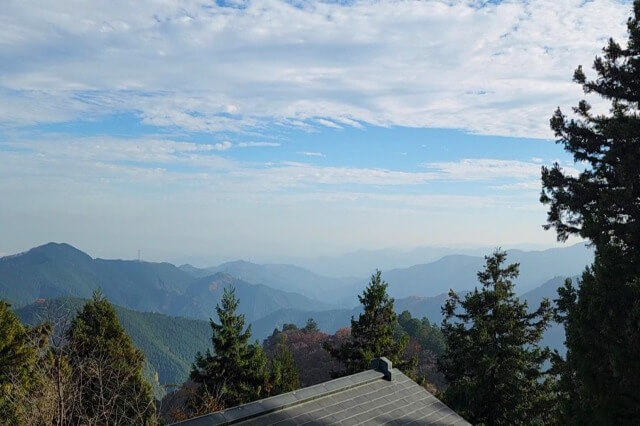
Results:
x,y
107,369
601,376
17,357
372,334
235,371
492,361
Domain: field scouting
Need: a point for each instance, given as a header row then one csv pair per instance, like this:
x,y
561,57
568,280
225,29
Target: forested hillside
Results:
x,y
169,343
60,270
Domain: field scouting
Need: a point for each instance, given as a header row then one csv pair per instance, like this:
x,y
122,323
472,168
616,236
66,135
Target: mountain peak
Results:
x,y
58,250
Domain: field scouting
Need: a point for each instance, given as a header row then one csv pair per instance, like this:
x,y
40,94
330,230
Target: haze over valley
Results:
x,y
150,297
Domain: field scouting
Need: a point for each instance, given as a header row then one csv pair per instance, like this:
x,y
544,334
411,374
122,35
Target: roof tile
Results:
x,y
365,398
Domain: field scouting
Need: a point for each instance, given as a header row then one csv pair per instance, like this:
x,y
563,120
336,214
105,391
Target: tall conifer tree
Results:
x,y
492,361
372,333
236,370
16,360
601,374
107,369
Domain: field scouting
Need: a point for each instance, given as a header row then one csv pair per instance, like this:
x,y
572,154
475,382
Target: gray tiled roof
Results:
x,y
367,398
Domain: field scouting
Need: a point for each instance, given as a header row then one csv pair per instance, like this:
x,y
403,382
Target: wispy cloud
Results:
x,y
205,67
484,169
311,154
221,146
257,144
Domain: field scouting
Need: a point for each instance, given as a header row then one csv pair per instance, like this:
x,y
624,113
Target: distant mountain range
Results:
x,y
152,296
458,272
430,307
60,270
361,263
337,291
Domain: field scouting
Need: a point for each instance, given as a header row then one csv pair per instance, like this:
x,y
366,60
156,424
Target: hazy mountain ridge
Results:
x,y
60,270
200,298
429,307
459,272
289,278
364,262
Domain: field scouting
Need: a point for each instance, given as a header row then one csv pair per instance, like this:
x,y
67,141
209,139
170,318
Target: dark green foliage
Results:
x,y
106,369
426,343
236,371
372,335
311,326
17,356
169,343
427,335
492,361
600,377
289,327
283,374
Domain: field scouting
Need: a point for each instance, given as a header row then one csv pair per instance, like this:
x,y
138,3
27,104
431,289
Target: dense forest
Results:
x,y
73,361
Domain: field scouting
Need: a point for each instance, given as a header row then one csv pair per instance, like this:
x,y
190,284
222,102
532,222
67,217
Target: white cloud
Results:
x,y
201,165
527,185
311,154
497,69
484,169
257,144
222,146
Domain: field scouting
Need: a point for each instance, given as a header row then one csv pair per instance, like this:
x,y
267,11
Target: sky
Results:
x,y
201,131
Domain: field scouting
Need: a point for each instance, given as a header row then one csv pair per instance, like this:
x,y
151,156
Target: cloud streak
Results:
x,y
204,67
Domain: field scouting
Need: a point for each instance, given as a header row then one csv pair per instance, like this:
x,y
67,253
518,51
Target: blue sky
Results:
x,y
203,131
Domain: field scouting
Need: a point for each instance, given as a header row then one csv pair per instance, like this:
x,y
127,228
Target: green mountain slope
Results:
x,y
60,270
169,343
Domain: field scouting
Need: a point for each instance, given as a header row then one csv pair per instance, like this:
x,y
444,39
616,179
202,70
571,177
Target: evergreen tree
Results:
x,y
17,357
236,371
283,375
601,374
107,370
492,361
311,326
372,335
